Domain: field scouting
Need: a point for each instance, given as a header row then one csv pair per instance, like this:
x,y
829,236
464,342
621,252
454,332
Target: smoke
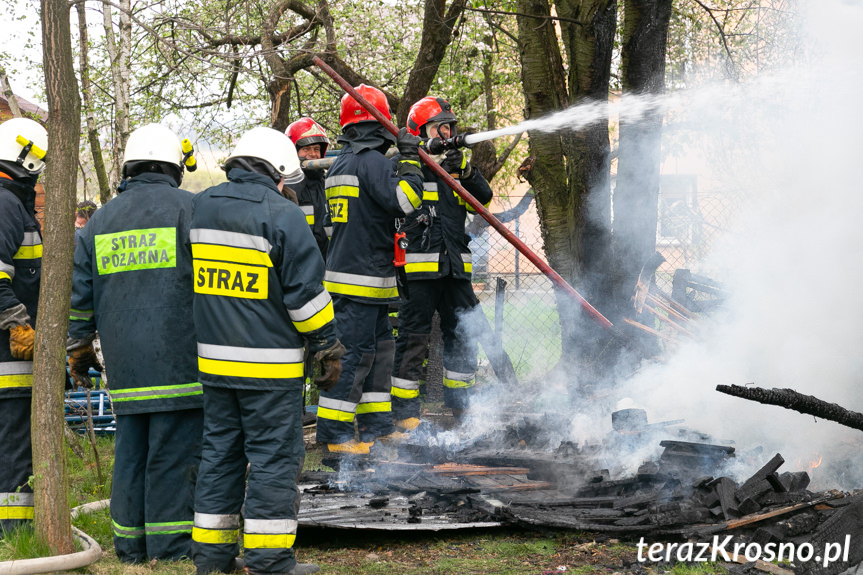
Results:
x,y
789,263
784,146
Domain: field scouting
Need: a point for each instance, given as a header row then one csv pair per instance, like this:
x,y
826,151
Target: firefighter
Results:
x,y
438,268
366,193
23,145
259,298
311,142
132,284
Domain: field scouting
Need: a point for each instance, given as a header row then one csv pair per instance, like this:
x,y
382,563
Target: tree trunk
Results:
x,y
636,196
52,519
9,94
569,171
437,33
87,91
118,46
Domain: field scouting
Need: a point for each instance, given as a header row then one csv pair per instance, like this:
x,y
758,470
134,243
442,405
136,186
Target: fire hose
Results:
x,y
474,203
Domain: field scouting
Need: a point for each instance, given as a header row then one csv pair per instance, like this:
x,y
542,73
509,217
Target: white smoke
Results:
x,y
787,143
791,263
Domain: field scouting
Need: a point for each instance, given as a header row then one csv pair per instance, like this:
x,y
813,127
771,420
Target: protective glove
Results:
x,y
81,359
330,365
21,339
456,163
408,145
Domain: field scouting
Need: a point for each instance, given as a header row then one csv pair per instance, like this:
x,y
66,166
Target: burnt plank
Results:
x,y
725,489
754,486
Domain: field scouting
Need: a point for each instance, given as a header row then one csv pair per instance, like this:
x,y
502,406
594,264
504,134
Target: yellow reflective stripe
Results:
x,y
317,321
335,414
363,291
457,384
231,254
343,191
246,369
375,407
16,512
268,541
421,267
411,162
310,219
216,536
430,196
468,267
5,276
22,380
28,252
413,198
404,393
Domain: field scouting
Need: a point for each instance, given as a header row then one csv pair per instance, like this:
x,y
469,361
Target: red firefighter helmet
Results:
x,y
430,109
353,112
307,132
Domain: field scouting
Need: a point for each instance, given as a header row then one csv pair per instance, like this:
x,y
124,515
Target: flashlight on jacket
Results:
x,y
437,146
401,245
188,158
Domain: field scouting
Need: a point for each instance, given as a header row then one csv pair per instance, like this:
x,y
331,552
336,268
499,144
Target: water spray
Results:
x,y
478,207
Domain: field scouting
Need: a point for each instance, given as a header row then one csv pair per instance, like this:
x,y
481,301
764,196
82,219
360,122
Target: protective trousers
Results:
x,y
153,494
454,300
16,496
263,428
363,390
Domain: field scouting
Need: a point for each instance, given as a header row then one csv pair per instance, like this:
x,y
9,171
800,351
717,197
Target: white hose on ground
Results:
x,y
92,551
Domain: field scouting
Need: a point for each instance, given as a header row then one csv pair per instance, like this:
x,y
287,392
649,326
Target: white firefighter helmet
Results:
x,y
23,145
273,147
154,143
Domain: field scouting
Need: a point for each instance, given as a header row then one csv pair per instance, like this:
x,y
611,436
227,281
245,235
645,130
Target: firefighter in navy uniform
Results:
x,y
311,142
438,267
366,193
132,284
259,299
23,145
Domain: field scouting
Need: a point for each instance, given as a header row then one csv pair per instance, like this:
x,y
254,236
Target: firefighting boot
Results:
x,y
298,569
394,437
351,447
408,424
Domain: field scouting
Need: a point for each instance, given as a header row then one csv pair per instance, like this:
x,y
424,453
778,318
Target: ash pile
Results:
x,y
685,493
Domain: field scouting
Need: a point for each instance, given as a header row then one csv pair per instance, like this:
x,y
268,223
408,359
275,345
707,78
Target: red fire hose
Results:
x,y
467,197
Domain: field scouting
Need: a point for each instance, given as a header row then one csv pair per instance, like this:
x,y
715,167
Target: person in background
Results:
x,y
83,211
311,142
438,267
132,283
23,147
259,300
366,193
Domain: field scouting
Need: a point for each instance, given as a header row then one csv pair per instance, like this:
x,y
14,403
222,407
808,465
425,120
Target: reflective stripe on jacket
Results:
x,y
20,276
446,249
258,278
313,201
365,197
132,282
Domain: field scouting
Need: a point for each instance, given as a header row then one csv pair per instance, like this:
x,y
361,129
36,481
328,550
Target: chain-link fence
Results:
x,y
525,315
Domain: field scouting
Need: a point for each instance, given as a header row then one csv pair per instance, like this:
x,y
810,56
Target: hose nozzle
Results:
x,y
437,146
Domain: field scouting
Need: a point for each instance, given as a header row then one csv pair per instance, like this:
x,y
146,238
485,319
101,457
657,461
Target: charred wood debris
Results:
x,y
679,496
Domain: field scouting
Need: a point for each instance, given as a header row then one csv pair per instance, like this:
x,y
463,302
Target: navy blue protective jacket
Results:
x,y
313,202
439,247
365,196
132,283
258,278
20,275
